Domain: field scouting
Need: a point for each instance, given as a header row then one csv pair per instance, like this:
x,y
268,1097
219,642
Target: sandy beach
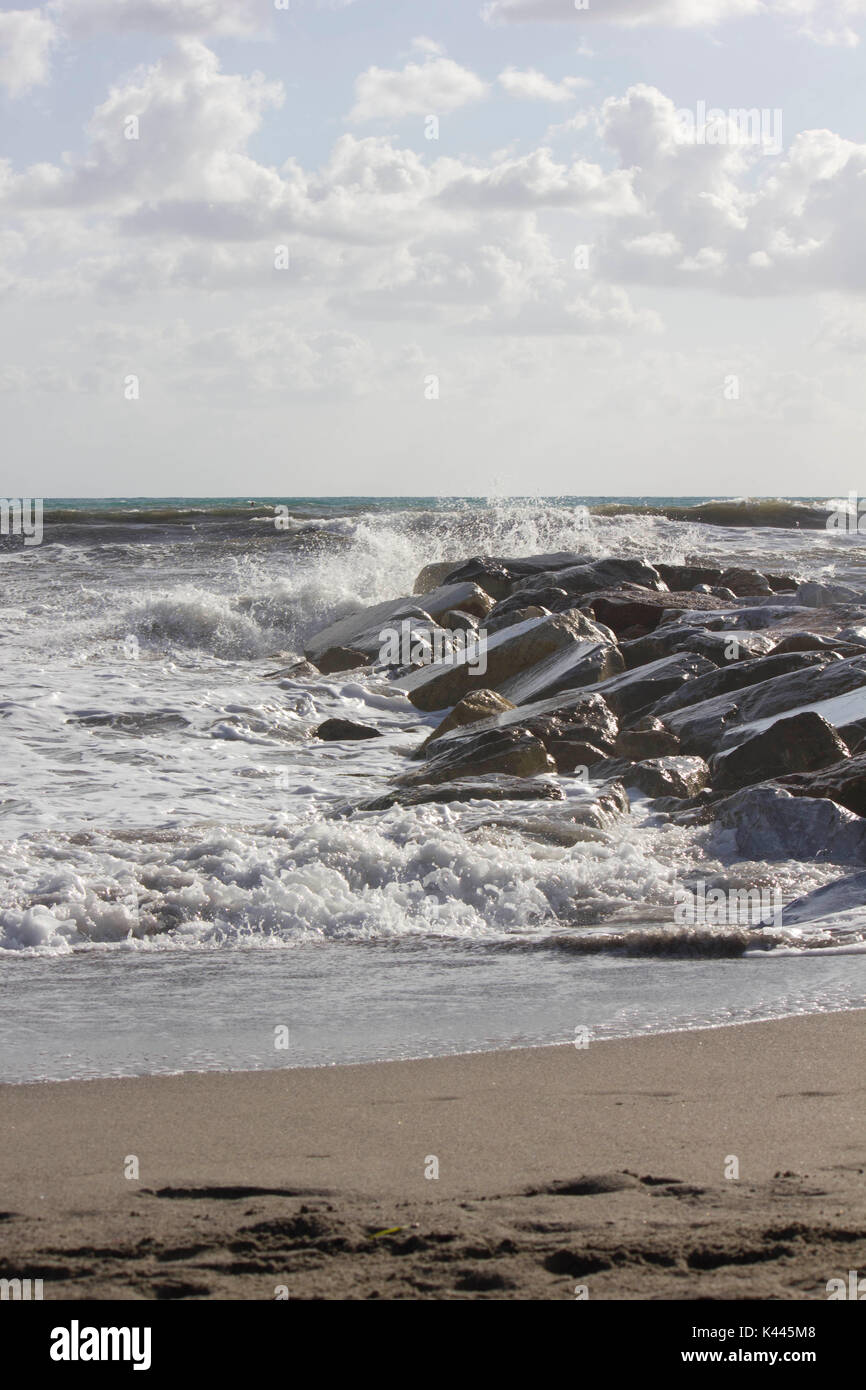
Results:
x,y
609,1166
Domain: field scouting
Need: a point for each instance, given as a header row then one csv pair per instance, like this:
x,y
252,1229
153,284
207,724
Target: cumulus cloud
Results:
x,y
434,87
26,40
827,22
532,85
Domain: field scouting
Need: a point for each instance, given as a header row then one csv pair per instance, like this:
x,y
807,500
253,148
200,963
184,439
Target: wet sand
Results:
x,y
611,1168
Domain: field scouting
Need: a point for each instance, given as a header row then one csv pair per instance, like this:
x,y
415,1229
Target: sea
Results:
x,y
175,894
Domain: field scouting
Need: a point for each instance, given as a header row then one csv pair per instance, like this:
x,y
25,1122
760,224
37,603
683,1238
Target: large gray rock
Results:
x,y
737,676
572,714
583,664
814,595
843,782
512,752
718,723
767,822
638,692
675,776
433,576
477,705
722,648
361,631
800,743
506,653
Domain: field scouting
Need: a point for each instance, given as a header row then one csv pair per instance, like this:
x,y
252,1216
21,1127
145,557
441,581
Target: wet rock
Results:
x,y
337,659
744,583
721,648
803,642
511,617
498,576
737,676
513,752
362,631
573,715
572,753
843,782
506,653
647,739
682,577
298,670
669,776
433,576
547,597
478,704
725,594
802,743
609,573
585,663
814,595
337,730
716,724
457,621
622,610
493,788
768,822
636,693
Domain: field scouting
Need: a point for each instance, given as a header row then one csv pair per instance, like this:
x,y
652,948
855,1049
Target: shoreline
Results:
x,y
431,1056
607,1162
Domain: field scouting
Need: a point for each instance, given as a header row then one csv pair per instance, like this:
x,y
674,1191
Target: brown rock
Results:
x,y
801,743
337,659
478,704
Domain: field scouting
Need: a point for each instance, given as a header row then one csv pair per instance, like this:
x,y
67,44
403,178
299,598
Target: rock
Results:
x,y
585,663
297,671
606,574
498,576
767,822
624,609
573,714
802,743
433,576
671,776
647,739
843,782
802,642
842,895
545,596
508,751
635,693
737,676
362,631
721,648
592,809
478,704
719,591
507,652
813,595
716,724
744,583
510,618
336,730
336,659
493,788
457,621
572,753
682,577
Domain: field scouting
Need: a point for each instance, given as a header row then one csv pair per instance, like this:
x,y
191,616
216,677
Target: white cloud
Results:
x,y
419,89
537,180
85,18
26,40
532,85
628,13
826,22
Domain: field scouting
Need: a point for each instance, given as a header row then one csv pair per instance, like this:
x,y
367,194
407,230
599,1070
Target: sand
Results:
x,y
610,1168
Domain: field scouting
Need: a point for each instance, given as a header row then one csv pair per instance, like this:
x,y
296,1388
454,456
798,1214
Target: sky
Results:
x,y
432,247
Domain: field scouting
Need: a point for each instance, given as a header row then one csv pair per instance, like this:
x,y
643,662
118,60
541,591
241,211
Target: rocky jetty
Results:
x,y
725,697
